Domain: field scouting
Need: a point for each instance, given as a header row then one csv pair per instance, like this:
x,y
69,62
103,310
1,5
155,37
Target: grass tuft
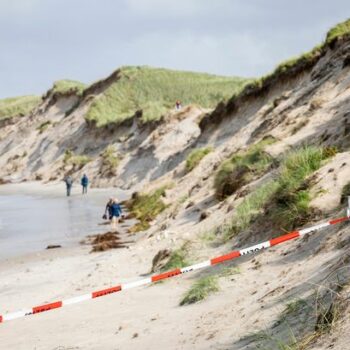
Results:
x,y
146,207
195,157
252,206
340,30
43,126
78,161
294,307
241,169
201,290
178,259
208,236
293,198
68,86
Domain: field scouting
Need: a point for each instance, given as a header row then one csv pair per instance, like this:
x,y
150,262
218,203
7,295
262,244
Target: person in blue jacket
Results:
x,y
114,211
84,183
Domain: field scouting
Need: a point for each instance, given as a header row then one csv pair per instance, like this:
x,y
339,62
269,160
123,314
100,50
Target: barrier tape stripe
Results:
x,y
155,278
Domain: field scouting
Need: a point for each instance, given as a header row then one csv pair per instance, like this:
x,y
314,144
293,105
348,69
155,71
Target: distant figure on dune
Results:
x,y
69,183
84,183
178,104
114,211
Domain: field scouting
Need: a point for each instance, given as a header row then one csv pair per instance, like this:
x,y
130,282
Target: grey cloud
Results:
x,y
45,40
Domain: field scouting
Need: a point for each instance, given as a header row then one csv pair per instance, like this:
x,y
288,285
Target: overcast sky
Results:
x,y
46,40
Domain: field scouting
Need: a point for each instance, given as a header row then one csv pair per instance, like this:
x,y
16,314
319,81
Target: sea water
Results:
x,y
33,216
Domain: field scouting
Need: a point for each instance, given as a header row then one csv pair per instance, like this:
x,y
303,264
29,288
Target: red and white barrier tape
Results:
x,y
168,274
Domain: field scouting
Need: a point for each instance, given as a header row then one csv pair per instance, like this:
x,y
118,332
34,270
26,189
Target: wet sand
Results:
x,y
33,216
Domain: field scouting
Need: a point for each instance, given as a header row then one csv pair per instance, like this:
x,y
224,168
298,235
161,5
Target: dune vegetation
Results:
x,y
195,157
305,59
287,195
292,197
340,30
145,207
78,161
18,106
153,91
242,168
178,259
44,126
200,290
68,86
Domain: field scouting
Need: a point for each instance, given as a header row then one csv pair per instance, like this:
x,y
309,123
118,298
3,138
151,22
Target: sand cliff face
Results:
x,y
310,104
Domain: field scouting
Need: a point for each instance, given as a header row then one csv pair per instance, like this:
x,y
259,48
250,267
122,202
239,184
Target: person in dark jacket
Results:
x,y
69,184
84,183
114,211
108,210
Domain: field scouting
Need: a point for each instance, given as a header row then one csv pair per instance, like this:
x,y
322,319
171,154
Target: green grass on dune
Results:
x,y
77,160
297,165
308,58
242,168
178,259
67,86
195,157
154,92
251,207
200,290
18,106
145,207
287,195
340,30
44,126
292,198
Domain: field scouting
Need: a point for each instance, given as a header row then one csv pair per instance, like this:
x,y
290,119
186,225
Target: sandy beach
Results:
x,y
149,317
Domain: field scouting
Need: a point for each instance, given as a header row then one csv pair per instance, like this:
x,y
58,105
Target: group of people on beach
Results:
x,y
113,209
69,184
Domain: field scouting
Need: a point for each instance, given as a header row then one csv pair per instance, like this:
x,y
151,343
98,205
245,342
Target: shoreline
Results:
x,y
52,187
35,215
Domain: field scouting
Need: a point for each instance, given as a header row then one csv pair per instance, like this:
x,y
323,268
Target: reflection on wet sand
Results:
x,y
33,216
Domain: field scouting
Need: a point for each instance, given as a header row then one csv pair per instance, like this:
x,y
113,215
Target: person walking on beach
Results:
x,y
108,210
114,211
69,183
84,183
